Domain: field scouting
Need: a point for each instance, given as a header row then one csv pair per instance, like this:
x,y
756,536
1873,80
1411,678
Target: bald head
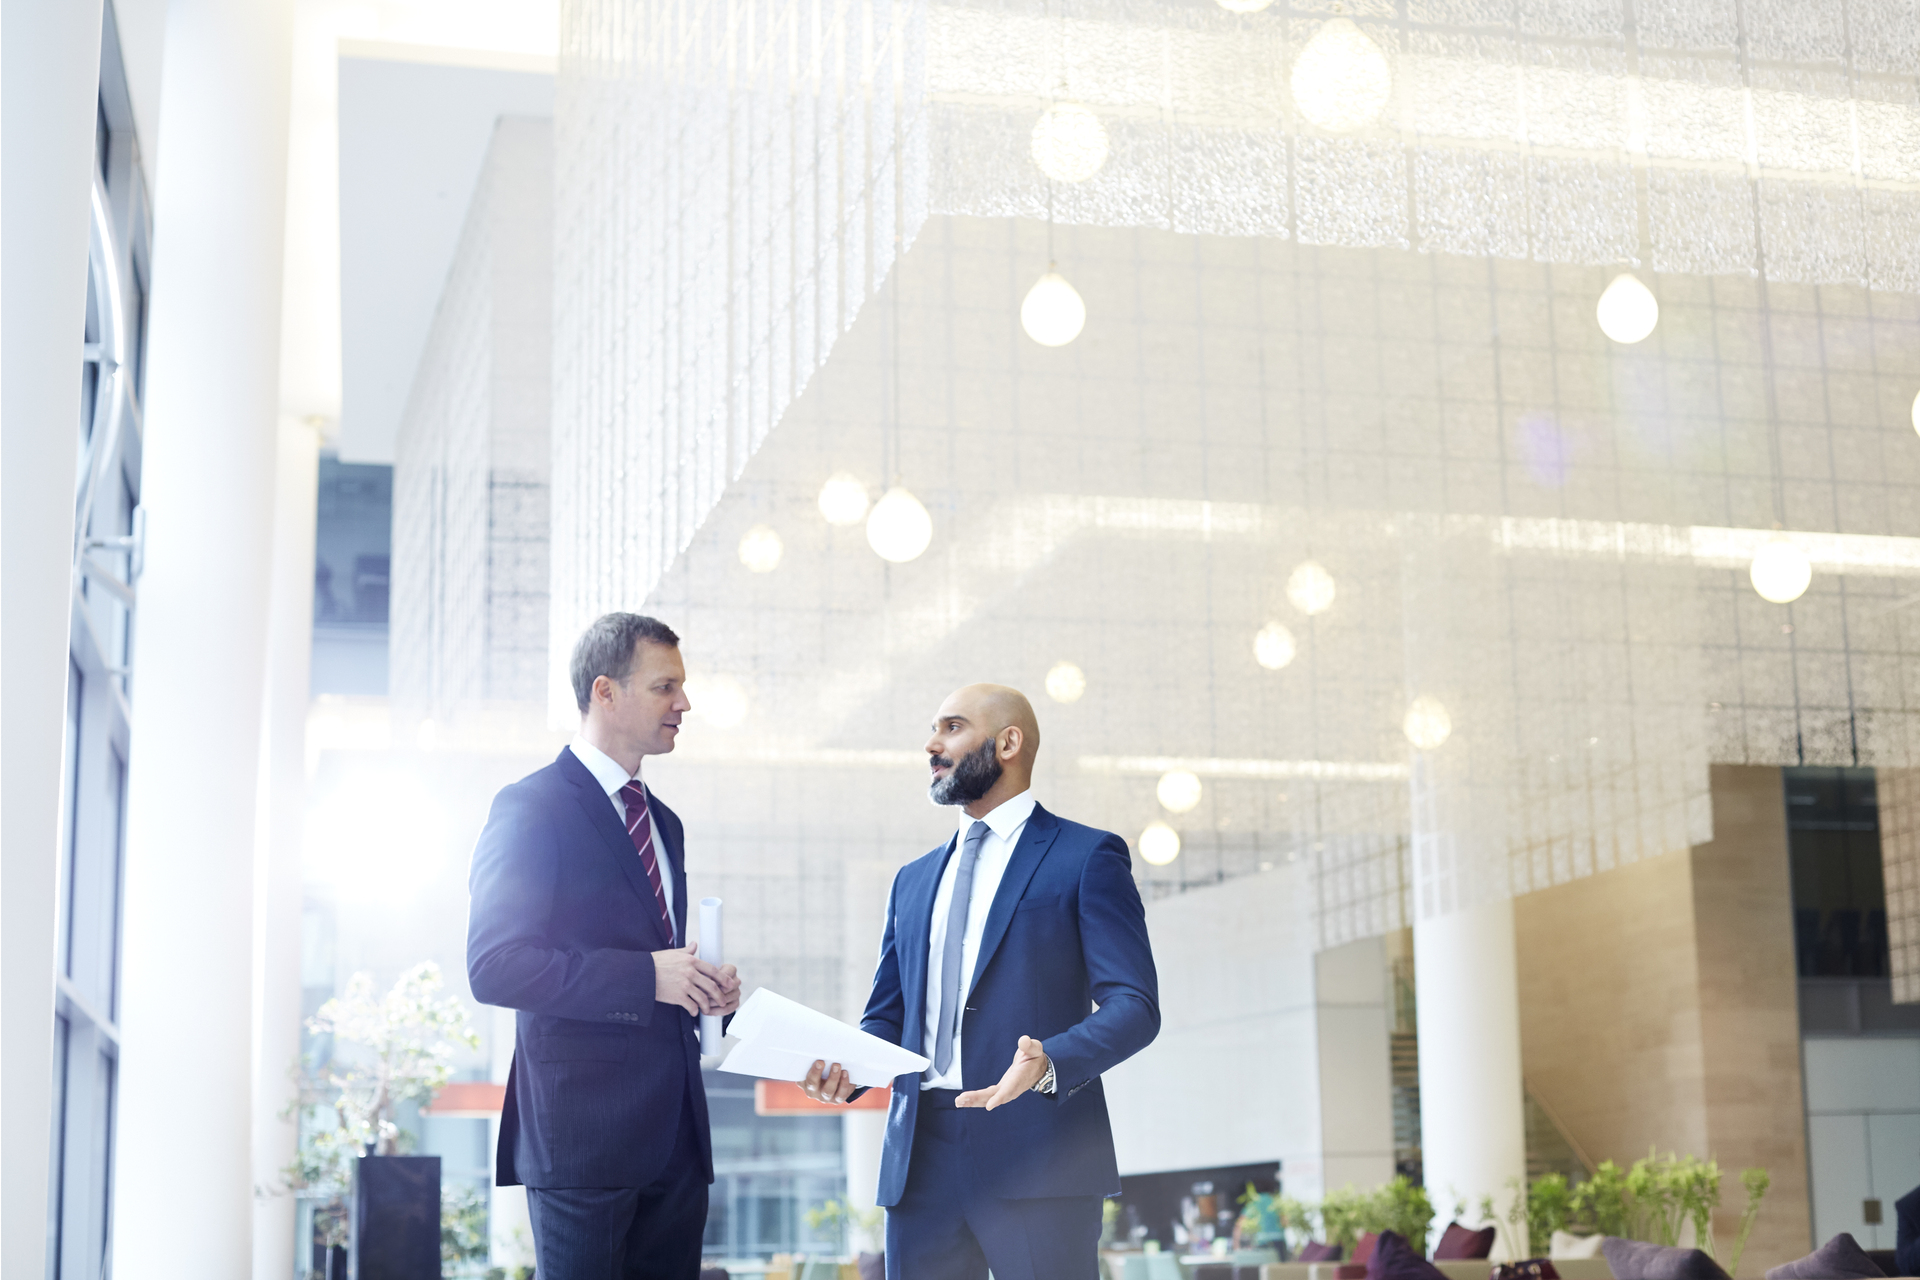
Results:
x,y
996,707
985,738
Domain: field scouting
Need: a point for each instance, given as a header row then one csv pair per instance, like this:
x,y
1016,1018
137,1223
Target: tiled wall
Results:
x,y
470,562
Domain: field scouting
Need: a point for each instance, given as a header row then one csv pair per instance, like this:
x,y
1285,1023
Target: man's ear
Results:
x,y
1013,742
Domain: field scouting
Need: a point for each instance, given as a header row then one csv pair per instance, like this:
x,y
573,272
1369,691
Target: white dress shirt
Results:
x,y
1004,826
607,772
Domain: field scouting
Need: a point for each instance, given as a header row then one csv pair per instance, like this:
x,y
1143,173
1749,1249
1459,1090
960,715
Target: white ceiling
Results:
x,y
412,139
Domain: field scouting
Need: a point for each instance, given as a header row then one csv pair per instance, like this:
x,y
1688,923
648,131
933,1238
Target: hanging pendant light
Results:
x,y
1273,646
760,549
1427,725
1780,571
1310,588
843,499
718,700
1341,81
1916,412
1066,682
1069,142
1178,790
1627,310
899,528
1053,313
1159,844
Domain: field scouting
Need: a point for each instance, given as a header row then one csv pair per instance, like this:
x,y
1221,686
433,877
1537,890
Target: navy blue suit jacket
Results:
x,y
562,928
1906,1234
1066,931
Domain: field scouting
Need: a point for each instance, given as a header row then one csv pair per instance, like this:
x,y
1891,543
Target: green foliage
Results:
x,y
1404,1207
1400,1205
1755,1182
1344,1215
463,1229
1546,1208
390,1049
1260,1215
1659,1197
1602,1202
866,1226
387,1051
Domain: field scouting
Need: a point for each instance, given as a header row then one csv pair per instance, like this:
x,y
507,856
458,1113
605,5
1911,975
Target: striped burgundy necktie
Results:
x,y
640,828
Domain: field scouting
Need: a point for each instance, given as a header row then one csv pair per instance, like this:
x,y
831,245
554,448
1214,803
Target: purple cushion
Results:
x,y
1638,1260
1840,1258
1314,1251
1363,1249
1394,1259
1458,1244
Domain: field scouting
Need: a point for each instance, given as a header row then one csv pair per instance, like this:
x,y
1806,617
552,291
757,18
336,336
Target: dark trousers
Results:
x,y
943,1229
625,1233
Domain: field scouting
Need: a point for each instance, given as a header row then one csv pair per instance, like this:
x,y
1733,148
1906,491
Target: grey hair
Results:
x,y
606,649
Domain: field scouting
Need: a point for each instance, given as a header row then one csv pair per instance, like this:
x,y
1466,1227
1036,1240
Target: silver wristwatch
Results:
x,y
1046,1081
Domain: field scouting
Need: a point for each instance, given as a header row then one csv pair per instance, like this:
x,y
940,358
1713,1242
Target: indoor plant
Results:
x,y
384,1051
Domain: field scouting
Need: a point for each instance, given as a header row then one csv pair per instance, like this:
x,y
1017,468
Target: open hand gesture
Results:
x,y
1029,1065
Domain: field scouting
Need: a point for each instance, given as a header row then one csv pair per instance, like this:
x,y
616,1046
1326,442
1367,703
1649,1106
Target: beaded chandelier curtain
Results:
x,y
1543,633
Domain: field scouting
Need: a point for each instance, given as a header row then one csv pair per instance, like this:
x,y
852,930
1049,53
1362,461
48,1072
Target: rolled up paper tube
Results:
x,y
712,953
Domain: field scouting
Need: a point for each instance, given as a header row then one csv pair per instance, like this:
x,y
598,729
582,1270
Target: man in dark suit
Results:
x,y
999,945
1906,1234
578,921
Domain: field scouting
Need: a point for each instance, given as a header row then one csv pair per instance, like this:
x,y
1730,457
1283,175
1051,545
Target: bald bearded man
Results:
x,y
1016,958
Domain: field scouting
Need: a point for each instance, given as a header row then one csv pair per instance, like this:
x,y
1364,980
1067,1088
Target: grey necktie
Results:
x,y
950,953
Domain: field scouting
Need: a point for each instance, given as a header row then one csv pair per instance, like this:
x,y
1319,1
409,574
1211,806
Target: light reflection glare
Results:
x,y
377,837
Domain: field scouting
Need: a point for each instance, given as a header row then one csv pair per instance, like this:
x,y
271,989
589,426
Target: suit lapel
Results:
x,y
1041,828
912,930
613,837
676,859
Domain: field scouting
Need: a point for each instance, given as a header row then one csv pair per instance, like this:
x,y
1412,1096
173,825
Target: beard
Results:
x,y
972,778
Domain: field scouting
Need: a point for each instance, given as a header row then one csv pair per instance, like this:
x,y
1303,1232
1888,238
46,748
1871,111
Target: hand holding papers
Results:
x,y
781,1039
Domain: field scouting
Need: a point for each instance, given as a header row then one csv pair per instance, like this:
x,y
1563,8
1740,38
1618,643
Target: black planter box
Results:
x,y
396,1218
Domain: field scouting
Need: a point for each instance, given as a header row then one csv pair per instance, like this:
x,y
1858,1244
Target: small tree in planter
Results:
x,y
398,1048
388,1050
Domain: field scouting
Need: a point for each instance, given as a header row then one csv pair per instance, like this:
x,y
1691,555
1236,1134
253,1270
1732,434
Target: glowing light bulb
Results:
x,y
1341,81
1178,790
1780,571
1273,646
899,528
1310,588
1159,844
843,499
1066,682
1427,724
1069,142
1916,412
718,700
1627,309
760,549
1053,313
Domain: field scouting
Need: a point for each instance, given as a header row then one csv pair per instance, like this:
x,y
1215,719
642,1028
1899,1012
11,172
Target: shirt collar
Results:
x,y
1003,821
605,770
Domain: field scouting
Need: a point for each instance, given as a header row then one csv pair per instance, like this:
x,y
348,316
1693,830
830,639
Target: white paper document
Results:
x,y
781,1038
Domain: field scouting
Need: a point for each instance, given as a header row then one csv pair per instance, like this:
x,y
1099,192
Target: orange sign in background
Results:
x,y
783,1098
467,1100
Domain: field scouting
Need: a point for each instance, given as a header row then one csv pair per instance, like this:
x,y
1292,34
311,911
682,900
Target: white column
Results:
x,y
280,823
1472,1123
186,1079
49,90
862,1135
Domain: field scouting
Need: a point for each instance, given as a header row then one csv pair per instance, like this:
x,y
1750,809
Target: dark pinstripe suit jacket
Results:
x,y
562,928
